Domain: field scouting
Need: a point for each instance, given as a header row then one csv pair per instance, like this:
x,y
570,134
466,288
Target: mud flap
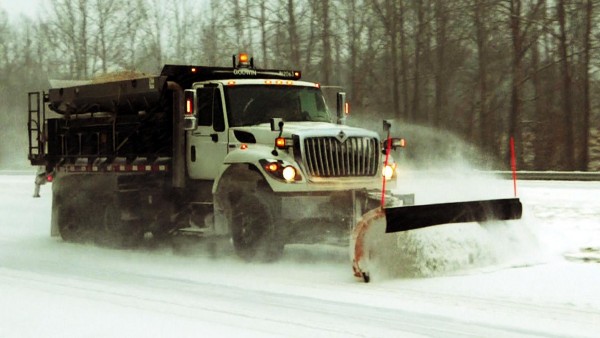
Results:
x,y
368,234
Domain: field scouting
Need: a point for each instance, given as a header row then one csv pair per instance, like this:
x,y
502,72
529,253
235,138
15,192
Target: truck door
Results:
x,y
207,145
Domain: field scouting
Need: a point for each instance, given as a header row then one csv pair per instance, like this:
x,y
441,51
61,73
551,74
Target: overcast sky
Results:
x,y
16,7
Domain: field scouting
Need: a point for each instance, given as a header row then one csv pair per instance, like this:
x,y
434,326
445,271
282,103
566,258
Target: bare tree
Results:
x,y
108,36
520,22
567,127
326,61
422,61
391,17
481,13
69,35
419,37
357,25
293,34
541,105
587,109
211,35
262,21
441,72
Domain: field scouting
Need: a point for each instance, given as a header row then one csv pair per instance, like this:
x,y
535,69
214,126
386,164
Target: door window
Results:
x,y
210,108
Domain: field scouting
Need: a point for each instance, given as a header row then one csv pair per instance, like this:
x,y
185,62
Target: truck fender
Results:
x,y
249,159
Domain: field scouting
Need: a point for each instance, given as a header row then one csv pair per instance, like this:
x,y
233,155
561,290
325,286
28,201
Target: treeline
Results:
x,y
484,69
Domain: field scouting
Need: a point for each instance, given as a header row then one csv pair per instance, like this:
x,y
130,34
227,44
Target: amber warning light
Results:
x,y
272,167
280,142
189,102
244,61
188,107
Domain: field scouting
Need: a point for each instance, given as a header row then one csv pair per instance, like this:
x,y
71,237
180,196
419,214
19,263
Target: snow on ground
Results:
x,y
516,282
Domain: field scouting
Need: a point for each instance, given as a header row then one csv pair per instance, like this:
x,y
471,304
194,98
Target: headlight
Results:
x,y
289,173
389,171
281,170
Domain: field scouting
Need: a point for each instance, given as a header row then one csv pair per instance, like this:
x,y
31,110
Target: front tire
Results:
x,y
253,229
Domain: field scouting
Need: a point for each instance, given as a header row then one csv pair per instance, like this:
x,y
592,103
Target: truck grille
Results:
x,y
329,157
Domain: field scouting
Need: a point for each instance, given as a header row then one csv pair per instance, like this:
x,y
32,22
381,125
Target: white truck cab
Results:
x,y
234,126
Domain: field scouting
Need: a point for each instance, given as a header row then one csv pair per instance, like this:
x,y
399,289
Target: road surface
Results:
x,y
516,281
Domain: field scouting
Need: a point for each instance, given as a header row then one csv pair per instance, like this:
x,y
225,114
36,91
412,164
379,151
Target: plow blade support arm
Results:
x,y
421,216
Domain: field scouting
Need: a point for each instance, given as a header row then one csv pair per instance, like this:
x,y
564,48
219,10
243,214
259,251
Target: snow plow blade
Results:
x,y
368,241
421,216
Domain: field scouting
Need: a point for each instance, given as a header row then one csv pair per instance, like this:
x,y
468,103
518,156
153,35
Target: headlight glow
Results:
x,y
289,173
389,171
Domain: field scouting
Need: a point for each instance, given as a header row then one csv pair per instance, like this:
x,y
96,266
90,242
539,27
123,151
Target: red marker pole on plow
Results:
x,y
513,164
370,221
388,148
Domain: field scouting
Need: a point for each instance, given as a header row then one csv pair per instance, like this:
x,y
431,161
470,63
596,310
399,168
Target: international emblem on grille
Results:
x,y
342,136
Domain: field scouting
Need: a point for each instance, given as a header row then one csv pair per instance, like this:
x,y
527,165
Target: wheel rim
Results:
x,y
253,225
71,232
116,232
72,227
111,222
250,229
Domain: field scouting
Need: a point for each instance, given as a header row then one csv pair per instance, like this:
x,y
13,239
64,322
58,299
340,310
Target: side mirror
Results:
x,y
342,108
395,143
276,124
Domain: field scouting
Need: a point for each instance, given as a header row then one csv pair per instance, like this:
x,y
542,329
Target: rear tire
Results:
x,y
253,230
116,232
77,206
74,225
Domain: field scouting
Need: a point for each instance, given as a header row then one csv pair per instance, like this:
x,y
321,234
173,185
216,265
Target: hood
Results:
x,y
262,133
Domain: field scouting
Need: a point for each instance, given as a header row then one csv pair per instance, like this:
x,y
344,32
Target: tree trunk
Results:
x,y
541,137
441,21
517,79
567,127
487,127
403,62
393,33
416,102
326,63
584,152
263,33
293,33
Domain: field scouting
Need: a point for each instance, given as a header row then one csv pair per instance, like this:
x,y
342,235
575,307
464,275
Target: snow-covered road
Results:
x,y
54,289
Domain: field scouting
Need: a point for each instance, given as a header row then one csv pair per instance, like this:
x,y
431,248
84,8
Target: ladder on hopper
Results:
x,y
35,125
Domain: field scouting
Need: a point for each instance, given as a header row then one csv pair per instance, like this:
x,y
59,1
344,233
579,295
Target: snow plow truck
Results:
x,y
252,155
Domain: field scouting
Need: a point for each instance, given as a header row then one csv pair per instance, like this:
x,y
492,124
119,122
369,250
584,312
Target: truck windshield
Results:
x,y
255,104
